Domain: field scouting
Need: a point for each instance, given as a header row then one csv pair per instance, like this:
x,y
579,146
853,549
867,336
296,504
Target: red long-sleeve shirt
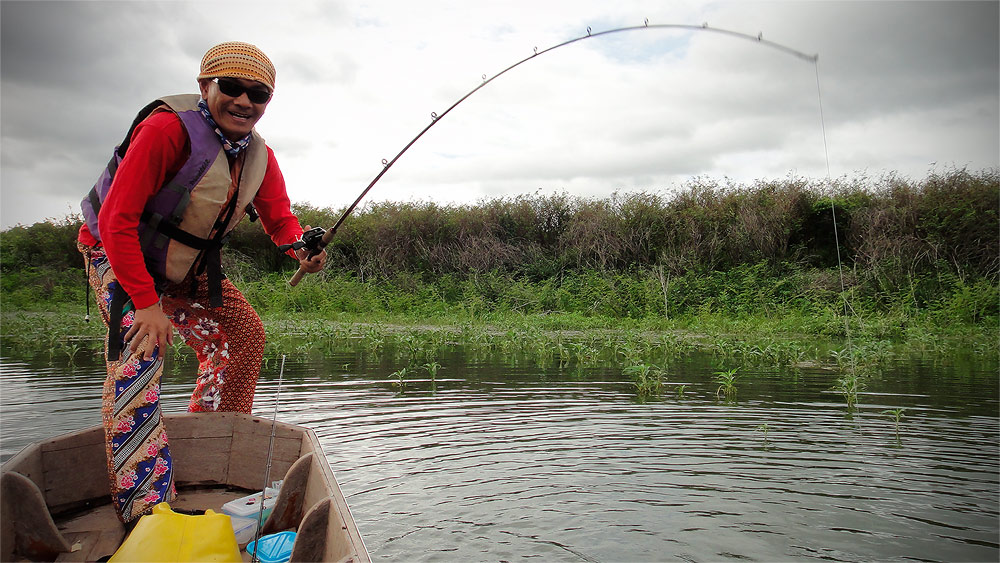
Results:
x,y
158,149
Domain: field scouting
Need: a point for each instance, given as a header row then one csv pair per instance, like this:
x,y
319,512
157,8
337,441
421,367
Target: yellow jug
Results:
x,y
166,536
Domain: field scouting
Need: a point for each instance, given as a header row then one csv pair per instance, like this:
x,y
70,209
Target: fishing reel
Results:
x,y
312,240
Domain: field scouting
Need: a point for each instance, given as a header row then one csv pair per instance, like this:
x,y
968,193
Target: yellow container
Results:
x,y
165,536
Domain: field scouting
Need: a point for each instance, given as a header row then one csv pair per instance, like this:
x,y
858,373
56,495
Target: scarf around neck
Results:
x,y
232,148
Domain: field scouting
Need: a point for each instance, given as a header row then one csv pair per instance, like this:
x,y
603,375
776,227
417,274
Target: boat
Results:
x,y
55,499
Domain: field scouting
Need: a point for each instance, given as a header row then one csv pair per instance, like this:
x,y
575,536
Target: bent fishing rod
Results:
x,y
316,239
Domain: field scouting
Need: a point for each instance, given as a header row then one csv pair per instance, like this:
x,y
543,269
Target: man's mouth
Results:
x,y
240,116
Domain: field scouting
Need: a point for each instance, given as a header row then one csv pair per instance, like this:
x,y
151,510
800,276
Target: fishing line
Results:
x,y
836,233
320,240
267,471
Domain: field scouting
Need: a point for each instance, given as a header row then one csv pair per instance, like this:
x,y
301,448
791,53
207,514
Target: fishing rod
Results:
x,y
316,239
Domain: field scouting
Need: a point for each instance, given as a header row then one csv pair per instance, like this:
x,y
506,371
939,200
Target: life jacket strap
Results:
x,y
116,311
95,200
211,260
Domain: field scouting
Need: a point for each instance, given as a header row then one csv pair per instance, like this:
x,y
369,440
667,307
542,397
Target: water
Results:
x,y
500,460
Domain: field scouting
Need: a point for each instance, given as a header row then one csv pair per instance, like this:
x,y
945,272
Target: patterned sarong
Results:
x,y
229,344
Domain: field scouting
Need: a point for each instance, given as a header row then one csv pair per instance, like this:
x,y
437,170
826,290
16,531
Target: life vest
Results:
x,y
178,222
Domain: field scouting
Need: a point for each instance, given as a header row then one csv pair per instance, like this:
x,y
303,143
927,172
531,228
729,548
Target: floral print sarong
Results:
x,y
229,344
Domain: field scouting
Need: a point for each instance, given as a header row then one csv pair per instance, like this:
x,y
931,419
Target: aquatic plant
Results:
x,y
71,349
727,382
647,378
631,346
841,357
896,415
849,385
374,338
583,353
400,376
765,427
432,368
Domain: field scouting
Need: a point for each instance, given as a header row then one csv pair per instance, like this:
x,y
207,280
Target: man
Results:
x,y
191,167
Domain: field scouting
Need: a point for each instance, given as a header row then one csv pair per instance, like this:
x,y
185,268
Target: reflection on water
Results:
x,y
495,461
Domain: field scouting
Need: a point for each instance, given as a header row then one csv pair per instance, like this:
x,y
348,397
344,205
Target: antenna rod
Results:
x,y
267,471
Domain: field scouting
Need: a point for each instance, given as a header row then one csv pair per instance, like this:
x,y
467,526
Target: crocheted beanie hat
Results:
x,y
235,59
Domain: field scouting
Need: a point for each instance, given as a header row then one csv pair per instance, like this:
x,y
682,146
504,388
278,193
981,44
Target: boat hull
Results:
x,y
217,457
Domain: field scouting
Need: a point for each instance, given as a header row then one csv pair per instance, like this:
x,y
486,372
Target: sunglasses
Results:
x,y
234,89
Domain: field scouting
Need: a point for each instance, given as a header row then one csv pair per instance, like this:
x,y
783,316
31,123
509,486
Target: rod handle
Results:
x,y
295,279
323,242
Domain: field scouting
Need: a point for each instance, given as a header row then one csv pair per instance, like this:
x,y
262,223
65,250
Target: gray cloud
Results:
x,y
904,84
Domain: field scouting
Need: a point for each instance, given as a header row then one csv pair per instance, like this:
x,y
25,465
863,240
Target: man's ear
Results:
x,y
204,85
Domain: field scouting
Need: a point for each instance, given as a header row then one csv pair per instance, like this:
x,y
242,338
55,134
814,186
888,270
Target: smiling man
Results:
x,y
190,168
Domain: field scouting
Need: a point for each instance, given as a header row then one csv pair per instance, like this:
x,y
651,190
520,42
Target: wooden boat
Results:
x,y
55,501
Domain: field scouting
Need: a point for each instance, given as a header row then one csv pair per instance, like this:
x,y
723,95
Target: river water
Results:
x,y
503,460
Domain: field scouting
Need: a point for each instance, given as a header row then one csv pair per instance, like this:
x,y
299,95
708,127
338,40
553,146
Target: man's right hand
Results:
x,y
151,322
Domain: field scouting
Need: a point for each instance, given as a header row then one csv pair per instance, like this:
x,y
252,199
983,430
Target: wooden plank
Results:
x,y
75,474
323,536
251,440
93,545
199,425
323,481
204,499
98,531
249,461
93,436
290,504
82,545
200,460
311,542
108,543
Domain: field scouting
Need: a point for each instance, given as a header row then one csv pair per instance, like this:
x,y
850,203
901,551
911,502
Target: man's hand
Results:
x,y
311,265
151,322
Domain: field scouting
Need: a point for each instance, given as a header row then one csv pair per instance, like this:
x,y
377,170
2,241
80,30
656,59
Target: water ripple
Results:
x,y
500,462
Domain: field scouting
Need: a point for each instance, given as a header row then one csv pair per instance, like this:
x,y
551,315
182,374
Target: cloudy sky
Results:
x,y
908,87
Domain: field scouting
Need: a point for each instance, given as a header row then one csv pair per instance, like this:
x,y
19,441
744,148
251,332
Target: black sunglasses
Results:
x,y
234,89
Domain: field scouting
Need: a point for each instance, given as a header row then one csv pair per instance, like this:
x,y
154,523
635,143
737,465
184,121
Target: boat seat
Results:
x,y
290,504
35,535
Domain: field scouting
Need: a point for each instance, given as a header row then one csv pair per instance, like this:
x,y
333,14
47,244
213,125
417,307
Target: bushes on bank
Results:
x,y
921,246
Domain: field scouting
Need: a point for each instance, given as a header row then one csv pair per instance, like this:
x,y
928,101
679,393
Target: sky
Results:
x,y
906,88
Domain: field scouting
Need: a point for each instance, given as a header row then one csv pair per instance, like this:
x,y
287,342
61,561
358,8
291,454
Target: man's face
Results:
x,y
237,115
